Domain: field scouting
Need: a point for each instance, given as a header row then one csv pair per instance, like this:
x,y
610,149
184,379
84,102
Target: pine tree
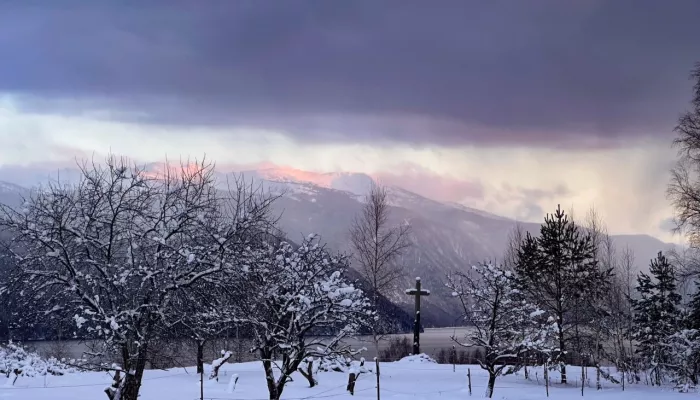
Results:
x,y
657,316
693,318
559,273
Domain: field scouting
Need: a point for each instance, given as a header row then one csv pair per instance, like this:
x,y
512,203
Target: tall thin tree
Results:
x,y
377,246
684,188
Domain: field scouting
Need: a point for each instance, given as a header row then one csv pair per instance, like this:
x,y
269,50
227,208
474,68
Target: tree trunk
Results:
x,y
132,378
200,357
309,373
270,379
113,391
563,372
375,339
562,353
491,384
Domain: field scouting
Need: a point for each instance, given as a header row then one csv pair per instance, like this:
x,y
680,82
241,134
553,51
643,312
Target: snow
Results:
x,y
420,358
399,380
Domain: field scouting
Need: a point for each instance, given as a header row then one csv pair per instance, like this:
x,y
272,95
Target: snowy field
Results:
x,y
399,380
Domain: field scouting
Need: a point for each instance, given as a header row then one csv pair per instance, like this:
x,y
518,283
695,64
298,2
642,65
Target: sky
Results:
x,y
508,106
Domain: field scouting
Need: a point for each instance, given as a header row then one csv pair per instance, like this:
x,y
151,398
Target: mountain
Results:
x,y
11,194
445,236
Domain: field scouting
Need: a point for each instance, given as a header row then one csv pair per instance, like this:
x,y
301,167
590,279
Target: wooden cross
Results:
x,y
416,323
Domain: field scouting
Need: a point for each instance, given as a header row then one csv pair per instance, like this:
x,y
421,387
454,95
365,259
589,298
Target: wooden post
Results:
x,y
546,379
469,379
623,380
376,362
351,383
417,292
583,378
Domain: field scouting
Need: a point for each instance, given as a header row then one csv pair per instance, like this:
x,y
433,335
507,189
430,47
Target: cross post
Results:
x,y
417,292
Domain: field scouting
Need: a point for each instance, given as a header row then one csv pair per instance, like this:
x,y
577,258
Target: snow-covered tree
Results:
x,y
656,316
683,348
294,294
684,345
504,326
558,272
115,248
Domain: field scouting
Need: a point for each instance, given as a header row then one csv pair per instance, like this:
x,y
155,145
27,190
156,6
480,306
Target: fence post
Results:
x,y
623,380
584,369
376,362
469,379
546,379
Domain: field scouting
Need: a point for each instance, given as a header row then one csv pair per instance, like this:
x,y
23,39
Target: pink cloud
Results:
x,y
430,184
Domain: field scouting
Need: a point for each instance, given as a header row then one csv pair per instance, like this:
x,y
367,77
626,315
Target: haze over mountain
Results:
x,y
445,236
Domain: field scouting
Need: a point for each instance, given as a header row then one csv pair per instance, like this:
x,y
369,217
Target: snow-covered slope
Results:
x,y
355,183
10,188
11,194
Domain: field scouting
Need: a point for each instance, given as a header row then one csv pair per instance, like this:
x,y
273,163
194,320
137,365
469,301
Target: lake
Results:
x,y
183,352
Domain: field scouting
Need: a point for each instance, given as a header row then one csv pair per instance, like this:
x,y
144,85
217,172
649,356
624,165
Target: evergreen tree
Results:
x,y
657,316
559,273
693,318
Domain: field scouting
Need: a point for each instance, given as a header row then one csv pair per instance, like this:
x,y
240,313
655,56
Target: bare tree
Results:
x,y
684,188
115,249
515,238
377,245
626,277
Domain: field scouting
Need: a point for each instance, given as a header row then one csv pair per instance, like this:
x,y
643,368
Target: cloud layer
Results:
x,y
511,107
626,185
544,72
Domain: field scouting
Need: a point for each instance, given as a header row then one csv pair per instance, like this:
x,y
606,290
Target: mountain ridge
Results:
x,y
445,236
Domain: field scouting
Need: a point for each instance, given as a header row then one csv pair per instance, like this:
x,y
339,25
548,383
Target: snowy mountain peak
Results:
x,y
356,183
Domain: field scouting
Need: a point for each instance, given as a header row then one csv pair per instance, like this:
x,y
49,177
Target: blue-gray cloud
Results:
x,y
448,72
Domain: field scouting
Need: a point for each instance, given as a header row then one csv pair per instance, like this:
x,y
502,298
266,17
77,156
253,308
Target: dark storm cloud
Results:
x,y
446,72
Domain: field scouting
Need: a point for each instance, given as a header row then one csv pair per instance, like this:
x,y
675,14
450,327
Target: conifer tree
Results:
x,y
657,316
559,273
693,317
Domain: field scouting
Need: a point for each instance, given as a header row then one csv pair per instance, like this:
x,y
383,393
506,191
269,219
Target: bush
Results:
x,y
469,356
398,349
16,360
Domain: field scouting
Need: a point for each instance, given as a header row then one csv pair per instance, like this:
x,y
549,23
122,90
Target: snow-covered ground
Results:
x,y
399,380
